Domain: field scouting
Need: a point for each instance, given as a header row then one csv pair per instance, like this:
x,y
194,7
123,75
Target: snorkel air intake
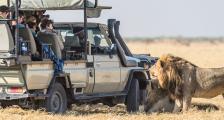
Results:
x,y
120,39
110,24
126,60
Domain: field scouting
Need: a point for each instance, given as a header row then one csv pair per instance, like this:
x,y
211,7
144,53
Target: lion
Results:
x,y
184,80
157,99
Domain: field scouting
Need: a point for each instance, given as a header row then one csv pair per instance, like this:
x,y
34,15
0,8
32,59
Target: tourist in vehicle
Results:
x,y
97,46
33,27
32,24
47,26
4,12
81,35
97,41
31,19
39,15
21,21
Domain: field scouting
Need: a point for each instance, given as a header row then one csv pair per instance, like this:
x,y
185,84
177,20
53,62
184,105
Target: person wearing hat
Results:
x,y
4,12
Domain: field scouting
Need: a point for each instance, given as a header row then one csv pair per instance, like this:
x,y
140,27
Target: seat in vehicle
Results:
x,y
27,35
71,41
7,42
54,40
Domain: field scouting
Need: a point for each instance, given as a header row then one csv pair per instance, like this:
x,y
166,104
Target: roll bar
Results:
x,y
85,27
18,3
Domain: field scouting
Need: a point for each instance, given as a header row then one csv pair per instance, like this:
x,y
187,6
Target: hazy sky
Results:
x,y
150,18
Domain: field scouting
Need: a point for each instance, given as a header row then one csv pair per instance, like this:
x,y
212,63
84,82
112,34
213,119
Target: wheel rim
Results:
x,y
56,102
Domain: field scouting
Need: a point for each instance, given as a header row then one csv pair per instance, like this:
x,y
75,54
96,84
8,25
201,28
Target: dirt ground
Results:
x,y
203,54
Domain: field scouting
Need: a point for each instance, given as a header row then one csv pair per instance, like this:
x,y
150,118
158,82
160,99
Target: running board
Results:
x,y
92,97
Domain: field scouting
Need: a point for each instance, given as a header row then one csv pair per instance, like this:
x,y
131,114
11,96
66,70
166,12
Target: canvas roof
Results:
x,y
49,4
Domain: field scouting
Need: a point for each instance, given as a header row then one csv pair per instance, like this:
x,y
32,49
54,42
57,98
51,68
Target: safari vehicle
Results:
x,y
97,68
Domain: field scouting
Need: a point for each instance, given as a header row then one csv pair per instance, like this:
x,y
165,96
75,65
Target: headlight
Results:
x,y
146,66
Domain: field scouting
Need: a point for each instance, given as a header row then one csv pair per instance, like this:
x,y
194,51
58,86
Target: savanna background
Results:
x,y
204,52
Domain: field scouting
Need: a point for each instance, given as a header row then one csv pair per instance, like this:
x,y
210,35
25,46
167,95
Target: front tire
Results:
x,y
133,97
56,102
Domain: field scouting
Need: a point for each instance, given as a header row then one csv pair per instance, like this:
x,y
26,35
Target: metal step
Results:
x,y
98,96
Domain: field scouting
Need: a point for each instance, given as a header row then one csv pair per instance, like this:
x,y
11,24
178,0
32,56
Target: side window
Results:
x,y
100,39
73,45
99,43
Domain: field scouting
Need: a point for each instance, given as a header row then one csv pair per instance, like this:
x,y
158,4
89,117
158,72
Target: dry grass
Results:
x,y
204,54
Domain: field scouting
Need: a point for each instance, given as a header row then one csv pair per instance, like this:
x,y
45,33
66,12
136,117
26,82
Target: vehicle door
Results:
x,y
106,64
74,62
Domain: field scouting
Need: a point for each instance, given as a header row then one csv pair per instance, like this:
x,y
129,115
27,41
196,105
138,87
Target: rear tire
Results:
x,y
56,102
133,97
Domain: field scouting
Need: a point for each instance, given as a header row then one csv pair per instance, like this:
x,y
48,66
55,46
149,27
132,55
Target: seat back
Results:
x,y
71,41
54,40
27,35
7,42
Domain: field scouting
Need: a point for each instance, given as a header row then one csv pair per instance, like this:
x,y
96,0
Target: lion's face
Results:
x,y
168,70
159,71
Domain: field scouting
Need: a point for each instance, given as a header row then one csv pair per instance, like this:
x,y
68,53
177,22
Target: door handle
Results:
x,y
91,73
